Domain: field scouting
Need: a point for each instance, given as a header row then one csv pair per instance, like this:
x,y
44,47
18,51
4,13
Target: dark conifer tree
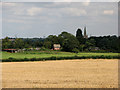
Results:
x,y
79,36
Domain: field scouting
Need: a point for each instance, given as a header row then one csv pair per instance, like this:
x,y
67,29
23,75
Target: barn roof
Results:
x,y
9,49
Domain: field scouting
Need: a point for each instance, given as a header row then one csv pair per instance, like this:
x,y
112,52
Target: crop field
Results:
x,y
85,73
46,54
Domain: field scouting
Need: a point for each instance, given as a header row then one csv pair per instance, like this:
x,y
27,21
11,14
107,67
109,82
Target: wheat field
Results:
x,y
85,73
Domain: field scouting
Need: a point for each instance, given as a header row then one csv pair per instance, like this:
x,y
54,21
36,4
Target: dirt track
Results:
x,y
61,74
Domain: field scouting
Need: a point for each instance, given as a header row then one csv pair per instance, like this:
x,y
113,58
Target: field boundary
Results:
x,y
60,88
59,58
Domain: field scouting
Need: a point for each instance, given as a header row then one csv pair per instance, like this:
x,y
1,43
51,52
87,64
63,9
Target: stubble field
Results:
x,y
84,73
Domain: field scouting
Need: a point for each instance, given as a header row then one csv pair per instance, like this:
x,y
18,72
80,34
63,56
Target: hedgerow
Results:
x,y
60,58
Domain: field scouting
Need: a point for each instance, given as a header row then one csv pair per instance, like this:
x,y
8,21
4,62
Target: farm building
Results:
x,y
37,48
11,50
56,47
12,40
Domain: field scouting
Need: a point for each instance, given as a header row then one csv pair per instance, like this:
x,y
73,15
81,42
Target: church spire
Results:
x,y
85,35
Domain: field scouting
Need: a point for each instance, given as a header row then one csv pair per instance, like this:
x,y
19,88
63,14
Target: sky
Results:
x,y
40,19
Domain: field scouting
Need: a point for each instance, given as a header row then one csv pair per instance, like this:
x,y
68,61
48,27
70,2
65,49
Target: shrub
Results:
x,y
10,58
60,58
75,50
53,58
26,59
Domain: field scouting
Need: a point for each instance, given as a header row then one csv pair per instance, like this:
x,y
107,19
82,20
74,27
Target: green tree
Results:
x,y
81,47
69,41
53,39
48,44
89,44
50,40
79,36
6,43
18,43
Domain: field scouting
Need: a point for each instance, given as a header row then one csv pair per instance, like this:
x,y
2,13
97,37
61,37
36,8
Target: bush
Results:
x,y
53,58
75,50
10,58
60,58
26,59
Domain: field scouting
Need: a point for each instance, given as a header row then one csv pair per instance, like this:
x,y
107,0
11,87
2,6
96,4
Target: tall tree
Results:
x,y
51,39
19,44
6,43
79,36
69,42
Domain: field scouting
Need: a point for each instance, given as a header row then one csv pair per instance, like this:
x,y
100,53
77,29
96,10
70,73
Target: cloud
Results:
x,y
0,6
57,12
57,16
108,12
63,1
86,2
13,21
34,11
16,21
9,4
74,11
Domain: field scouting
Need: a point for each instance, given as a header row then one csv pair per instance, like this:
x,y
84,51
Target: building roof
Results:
x,y
56,45
10,49
11,39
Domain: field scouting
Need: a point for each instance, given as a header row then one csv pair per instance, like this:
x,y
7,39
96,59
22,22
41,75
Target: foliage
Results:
x,y
79,36
60,58
67,41
75,50
50,53
107,43
47,44
6,43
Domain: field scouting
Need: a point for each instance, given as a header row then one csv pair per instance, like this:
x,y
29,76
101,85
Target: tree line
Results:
x,y
68,42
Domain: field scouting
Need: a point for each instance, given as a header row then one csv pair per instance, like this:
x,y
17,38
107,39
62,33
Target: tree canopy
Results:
x,y
68,42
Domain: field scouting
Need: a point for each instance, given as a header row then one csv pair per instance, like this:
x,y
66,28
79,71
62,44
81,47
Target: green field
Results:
x,y
47,54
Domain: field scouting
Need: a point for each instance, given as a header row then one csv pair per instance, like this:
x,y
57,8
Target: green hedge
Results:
x,y
60,58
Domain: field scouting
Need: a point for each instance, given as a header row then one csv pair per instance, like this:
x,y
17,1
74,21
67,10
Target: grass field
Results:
x,y
86,73
46,54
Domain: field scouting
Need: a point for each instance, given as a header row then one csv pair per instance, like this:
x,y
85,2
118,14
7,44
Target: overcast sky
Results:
x,y
51,18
